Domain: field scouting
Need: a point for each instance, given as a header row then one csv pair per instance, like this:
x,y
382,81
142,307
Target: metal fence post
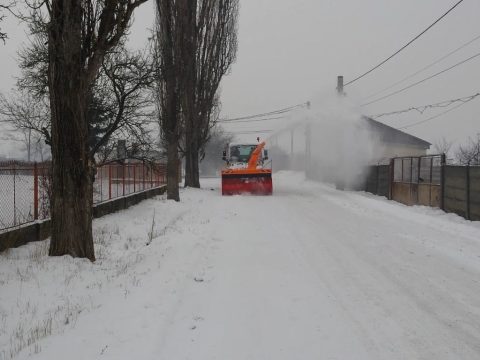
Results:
x,y
442,181
35,191
100,171
109,182
467,190
134,173
143,171
123,178
391,171
14,197
151,177
431,181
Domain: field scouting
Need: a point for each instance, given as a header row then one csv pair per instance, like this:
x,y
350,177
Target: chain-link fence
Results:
x,y
25,188
24,193
116,180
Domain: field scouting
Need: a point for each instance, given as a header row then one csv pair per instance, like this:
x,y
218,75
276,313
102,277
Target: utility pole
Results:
x,y
292,134
340,181
308,150
340,86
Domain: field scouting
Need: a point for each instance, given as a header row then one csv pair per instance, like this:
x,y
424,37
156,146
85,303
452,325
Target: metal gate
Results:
x,y
417,180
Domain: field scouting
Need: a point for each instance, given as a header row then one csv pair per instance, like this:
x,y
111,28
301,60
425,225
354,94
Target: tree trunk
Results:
x,y
172,169
189,77
72,185
192,171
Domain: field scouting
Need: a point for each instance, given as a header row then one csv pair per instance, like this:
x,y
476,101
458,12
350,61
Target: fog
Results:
x,y
330,141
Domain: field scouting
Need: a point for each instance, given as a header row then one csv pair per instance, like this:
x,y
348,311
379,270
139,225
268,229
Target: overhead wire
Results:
x,y
270,113
424,68
434,117
246,132
423,108
405,46
421,81
252,120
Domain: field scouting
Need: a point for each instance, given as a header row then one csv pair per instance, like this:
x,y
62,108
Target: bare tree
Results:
x,y
80,34
30,117
212,50
169,40
211,158
3,9
123,94
26,113
119,103
469,154
442,146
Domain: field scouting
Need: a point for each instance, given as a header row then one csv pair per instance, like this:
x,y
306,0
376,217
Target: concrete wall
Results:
x,y
41,230
462,191
475,193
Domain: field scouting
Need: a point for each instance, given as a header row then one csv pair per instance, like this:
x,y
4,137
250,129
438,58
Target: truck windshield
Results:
x,y
241,153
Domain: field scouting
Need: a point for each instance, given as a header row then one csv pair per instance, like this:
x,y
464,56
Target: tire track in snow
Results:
x,y
354,251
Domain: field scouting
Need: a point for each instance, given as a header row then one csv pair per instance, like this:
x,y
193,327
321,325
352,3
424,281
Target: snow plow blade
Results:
x,y
255,182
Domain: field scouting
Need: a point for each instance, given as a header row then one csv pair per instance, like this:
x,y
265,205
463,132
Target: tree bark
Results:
x,y
72,171
170,42
210,48
192,159
172,170
189,83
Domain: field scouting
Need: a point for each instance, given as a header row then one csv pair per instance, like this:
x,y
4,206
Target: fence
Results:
x,y
462,191
428,181
115,180
25,188
417,180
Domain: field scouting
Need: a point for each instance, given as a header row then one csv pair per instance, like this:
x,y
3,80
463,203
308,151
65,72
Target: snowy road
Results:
x,y
309,273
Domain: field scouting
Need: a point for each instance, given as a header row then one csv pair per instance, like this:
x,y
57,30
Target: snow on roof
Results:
x,y
389,134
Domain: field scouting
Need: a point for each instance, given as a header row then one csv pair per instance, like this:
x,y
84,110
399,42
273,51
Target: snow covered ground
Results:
x,y
308,273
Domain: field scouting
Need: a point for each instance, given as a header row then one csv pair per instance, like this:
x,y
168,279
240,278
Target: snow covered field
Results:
x,y
308,273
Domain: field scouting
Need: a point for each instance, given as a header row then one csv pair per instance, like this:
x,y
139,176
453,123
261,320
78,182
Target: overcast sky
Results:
x,y
291,51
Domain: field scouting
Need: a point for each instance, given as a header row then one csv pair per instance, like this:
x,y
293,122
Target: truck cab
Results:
x,y
238,155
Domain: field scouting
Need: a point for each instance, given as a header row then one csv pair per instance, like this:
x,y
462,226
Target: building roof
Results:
x,y
389,134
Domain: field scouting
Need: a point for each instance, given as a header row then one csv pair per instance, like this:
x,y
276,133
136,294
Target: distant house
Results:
x,y
395,143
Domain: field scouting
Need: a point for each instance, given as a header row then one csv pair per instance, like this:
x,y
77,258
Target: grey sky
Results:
x,y
292,51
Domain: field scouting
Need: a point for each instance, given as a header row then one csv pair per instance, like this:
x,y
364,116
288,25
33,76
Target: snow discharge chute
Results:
x,y
245,172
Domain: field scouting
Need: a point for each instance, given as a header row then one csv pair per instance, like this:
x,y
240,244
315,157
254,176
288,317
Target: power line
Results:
x,y
423,108
252,120
436,116
274,112
421,81
406,45
250,132
425,68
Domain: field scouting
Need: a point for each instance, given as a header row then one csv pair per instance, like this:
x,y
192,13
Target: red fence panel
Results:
x,y
25,188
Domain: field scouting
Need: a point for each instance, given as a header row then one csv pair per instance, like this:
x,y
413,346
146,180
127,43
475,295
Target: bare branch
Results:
x,y
3,9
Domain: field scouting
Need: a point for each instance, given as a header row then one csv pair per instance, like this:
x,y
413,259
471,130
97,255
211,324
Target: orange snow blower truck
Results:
x,y
245,172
